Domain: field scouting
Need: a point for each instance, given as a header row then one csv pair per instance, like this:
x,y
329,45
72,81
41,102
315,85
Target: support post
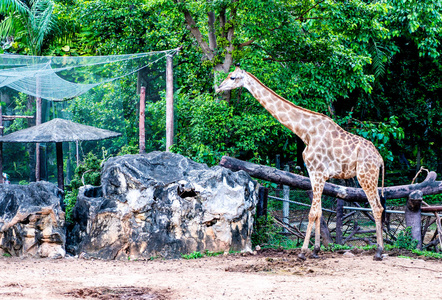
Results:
x,y
339,221
37,145
142,139
60,175
278,166
263,194
77,150
413,216
286,204
169,102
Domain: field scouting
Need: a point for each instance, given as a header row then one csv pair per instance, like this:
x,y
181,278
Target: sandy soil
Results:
x,y
270,274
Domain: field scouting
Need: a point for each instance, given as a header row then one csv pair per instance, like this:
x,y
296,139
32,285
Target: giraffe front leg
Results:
x,y
304,248
314,217
317,247
379,238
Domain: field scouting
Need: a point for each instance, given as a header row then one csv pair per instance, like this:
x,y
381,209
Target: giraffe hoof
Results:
x,y
378,255
315,252
301,256
377,258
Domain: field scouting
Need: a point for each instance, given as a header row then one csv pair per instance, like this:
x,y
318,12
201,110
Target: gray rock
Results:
x,y
32,220
163,204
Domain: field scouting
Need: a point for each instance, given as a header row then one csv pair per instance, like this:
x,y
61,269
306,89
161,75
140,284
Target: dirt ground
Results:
x,y
270,274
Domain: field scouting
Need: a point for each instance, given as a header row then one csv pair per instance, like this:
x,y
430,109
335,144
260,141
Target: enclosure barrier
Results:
x,y
413,192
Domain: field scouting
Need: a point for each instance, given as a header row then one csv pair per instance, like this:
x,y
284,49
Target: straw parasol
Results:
x,y
58,131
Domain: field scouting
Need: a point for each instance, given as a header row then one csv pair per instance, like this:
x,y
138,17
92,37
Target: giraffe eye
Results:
x,y
233,78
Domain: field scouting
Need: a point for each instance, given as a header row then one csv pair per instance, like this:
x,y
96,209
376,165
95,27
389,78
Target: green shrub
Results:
x,y
405,240
193,255
87,173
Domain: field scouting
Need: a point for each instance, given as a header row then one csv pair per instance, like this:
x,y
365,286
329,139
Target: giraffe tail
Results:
x,y
383,200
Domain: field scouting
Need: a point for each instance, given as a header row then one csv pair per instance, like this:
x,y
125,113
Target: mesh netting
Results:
x,y
65,77
97,91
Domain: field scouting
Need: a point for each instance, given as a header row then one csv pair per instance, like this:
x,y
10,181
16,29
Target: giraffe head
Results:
x,y
233,81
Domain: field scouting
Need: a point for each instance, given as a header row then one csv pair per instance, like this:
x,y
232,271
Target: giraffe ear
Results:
x,y
237,66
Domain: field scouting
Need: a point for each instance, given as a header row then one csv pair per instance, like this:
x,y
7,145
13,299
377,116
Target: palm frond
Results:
x,y
6,27
44,21
378,59
32,26
12,6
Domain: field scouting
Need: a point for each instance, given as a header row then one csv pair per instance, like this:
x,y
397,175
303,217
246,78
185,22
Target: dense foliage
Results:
x,y
373,66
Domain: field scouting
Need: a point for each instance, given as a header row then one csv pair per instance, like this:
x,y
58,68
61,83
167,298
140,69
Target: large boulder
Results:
x,y
163,204
32,220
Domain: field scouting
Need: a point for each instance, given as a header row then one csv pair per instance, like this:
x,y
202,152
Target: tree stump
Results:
x,y
413,216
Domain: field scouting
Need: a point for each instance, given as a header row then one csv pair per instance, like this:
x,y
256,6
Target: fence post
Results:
x,y
169,102
339,216
263,194
413,216
286,204
142,142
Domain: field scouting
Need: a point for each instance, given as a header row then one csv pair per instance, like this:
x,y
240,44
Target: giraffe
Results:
x,y
330,152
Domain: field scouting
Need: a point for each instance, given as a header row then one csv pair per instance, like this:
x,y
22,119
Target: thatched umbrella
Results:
x,y
58,131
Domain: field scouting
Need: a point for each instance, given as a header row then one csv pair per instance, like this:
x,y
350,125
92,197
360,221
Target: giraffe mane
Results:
x,y
287,101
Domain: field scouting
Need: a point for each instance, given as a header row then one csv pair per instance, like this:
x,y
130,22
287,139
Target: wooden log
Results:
x,y
431,208
11,118
428,187
413,216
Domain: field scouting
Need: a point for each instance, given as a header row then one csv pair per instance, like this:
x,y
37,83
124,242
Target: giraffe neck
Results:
x,y
301,121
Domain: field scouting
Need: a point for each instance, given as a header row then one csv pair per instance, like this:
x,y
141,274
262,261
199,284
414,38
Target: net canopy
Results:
x,y
101,91
59,78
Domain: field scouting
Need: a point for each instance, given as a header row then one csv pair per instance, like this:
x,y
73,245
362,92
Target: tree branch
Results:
x,y
307,11
194,30
211,24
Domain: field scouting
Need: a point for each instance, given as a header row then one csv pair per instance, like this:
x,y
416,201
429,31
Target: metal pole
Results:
x,y
142,138
169,102
286,204
60,175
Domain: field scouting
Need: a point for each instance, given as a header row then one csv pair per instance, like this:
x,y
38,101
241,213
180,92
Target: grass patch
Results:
x,y
197,254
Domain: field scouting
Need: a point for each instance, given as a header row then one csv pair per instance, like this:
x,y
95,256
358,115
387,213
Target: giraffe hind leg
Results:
x,y
369,185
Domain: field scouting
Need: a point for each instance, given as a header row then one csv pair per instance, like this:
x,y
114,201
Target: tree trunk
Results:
x,y
428,187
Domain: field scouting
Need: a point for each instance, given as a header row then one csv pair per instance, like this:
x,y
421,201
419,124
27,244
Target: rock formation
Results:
x,y
162,204
31,220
